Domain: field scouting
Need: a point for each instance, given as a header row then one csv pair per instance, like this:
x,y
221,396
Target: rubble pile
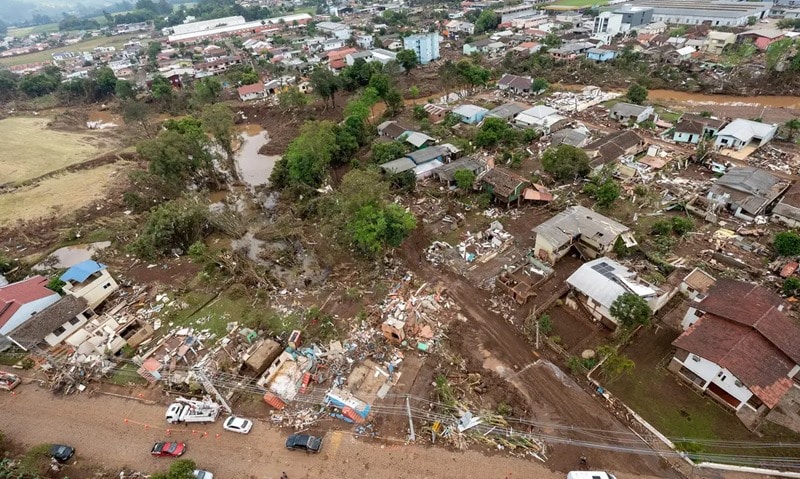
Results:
x,y
485,245
416,318
79,369
773,159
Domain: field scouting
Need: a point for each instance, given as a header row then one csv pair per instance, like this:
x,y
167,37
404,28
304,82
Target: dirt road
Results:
x,y
96,427
551,396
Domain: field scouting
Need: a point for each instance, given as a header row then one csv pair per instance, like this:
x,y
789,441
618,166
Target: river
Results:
x,y
703,99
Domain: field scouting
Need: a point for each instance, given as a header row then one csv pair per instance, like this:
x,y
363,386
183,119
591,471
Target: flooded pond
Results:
x,y
254,168
71,255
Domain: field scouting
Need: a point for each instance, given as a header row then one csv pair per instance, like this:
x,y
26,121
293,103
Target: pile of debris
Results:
x,y
76,372
771,158
415,318
485,245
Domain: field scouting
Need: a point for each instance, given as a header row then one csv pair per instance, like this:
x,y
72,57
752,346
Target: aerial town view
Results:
x,y
435,239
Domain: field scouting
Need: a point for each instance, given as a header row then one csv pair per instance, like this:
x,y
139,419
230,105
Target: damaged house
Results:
x,y
614,147
630,113
598,283
504,185
747,192
740,133
89,280
53,324
20,301
693,128
740,348
787,211
591,233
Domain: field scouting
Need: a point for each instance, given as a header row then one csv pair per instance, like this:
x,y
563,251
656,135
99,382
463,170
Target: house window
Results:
x,y
738,383
107,285
796,378
695,358
74,321
59,331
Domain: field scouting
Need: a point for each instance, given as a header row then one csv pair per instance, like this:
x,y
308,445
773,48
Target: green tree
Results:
x,y
607,193
631,310
551,40
565,162
249,78
161,89
682,225
615,365
180,469
384,152
787,243
105,82
413,92
539,84
217,121
394,101
124,90
487,21
792,127
420,113
408,60
494,131
35,85
464,179
292,99
751,20
777,52
325,84
637,94
305,162
175,224
790,286
207,90
374,228
138,113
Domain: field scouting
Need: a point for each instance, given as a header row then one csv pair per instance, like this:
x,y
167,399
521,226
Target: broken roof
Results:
x,y
789,206
539,112
82,270
447,172
614,145
504,182
748,355
714,123
33,331
628,109
580,221
699,280
516,82
750,188
604,280
14,295
569,136
689,126
505,111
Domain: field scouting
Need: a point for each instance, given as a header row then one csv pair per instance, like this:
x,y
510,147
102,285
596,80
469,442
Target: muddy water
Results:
x,y
254,168
71,255
700,99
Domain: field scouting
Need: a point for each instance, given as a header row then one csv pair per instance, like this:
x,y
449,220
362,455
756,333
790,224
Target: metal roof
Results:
x,y
580,221
745,130
604,280
399,165
82,270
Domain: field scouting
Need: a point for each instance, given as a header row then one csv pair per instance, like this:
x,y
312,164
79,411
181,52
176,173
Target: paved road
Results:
x,y
96,427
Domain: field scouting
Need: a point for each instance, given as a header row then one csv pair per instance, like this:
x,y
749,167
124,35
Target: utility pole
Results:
x,y
211,389
411,435
537,334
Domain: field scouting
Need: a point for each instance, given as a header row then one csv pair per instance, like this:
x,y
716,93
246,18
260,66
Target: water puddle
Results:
x,y
71,255
251,246
254,168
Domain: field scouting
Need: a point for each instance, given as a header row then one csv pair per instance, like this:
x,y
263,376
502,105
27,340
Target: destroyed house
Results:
x,y
20,301
89,280
53,324
787,211
504,185
747,191
630,113
591,233
446,173
614,147
740,348
598,283
541,117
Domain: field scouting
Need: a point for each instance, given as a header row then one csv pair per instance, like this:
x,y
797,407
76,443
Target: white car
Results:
x,y
201,474
238,424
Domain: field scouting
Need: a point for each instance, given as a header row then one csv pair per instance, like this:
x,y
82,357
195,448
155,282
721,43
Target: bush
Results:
x,y
173,225
565,162
504,409
545,324
661,228
790,286
787,243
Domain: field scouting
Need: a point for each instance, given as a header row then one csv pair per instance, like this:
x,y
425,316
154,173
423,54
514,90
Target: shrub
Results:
x,y
790,286
681,225
787,243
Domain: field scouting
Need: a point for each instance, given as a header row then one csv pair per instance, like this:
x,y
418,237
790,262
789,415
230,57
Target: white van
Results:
x,y
590,475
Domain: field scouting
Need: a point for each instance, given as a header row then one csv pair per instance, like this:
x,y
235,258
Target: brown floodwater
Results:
x,y
700,98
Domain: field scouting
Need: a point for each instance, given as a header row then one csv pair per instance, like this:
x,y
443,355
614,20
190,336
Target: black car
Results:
x,y
61,453
304,442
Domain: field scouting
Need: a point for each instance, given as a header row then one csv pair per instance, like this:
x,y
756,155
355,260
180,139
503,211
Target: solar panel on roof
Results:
x,y
604,268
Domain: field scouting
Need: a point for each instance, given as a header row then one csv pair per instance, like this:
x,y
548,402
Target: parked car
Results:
x,y
238,424
61,453
304,442
169,449
201,474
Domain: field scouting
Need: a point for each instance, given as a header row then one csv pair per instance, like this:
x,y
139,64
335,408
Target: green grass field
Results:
x,y
85,45
579,3
24,32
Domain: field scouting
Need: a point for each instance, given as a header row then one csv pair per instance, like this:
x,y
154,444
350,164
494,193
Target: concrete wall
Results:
x,y
69,328
95,291
686,137
713,373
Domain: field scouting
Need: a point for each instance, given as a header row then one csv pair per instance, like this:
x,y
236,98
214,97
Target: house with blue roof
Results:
x,y
89,280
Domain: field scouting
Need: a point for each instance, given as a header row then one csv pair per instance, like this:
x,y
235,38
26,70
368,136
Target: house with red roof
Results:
x,y
252,92
740,348
20,301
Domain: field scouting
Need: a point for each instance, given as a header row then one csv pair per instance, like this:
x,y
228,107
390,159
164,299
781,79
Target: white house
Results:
x,y
20,301
627,112
54,324
89,280
740,133
334,29
541,117
600,282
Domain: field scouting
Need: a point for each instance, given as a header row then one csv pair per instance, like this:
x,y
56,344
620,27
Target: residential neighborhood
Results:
x,y
534,239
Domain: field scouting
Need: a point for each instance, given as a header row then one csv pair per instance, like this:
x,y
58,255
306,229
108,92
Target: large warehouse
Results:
x,y
712,13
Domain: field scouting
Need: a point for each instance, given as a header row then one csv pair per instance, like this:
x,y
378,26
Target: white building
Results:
x,y
425,45
89,280
20,301
335,30
606,26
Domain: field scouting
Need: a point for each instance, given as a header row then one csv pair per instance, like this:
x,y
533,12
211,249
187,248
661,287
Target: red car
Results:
x,y
168,449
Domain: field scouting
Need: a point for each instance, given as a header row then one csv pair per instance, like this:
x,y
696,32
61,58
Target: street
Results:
x,y
96,427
